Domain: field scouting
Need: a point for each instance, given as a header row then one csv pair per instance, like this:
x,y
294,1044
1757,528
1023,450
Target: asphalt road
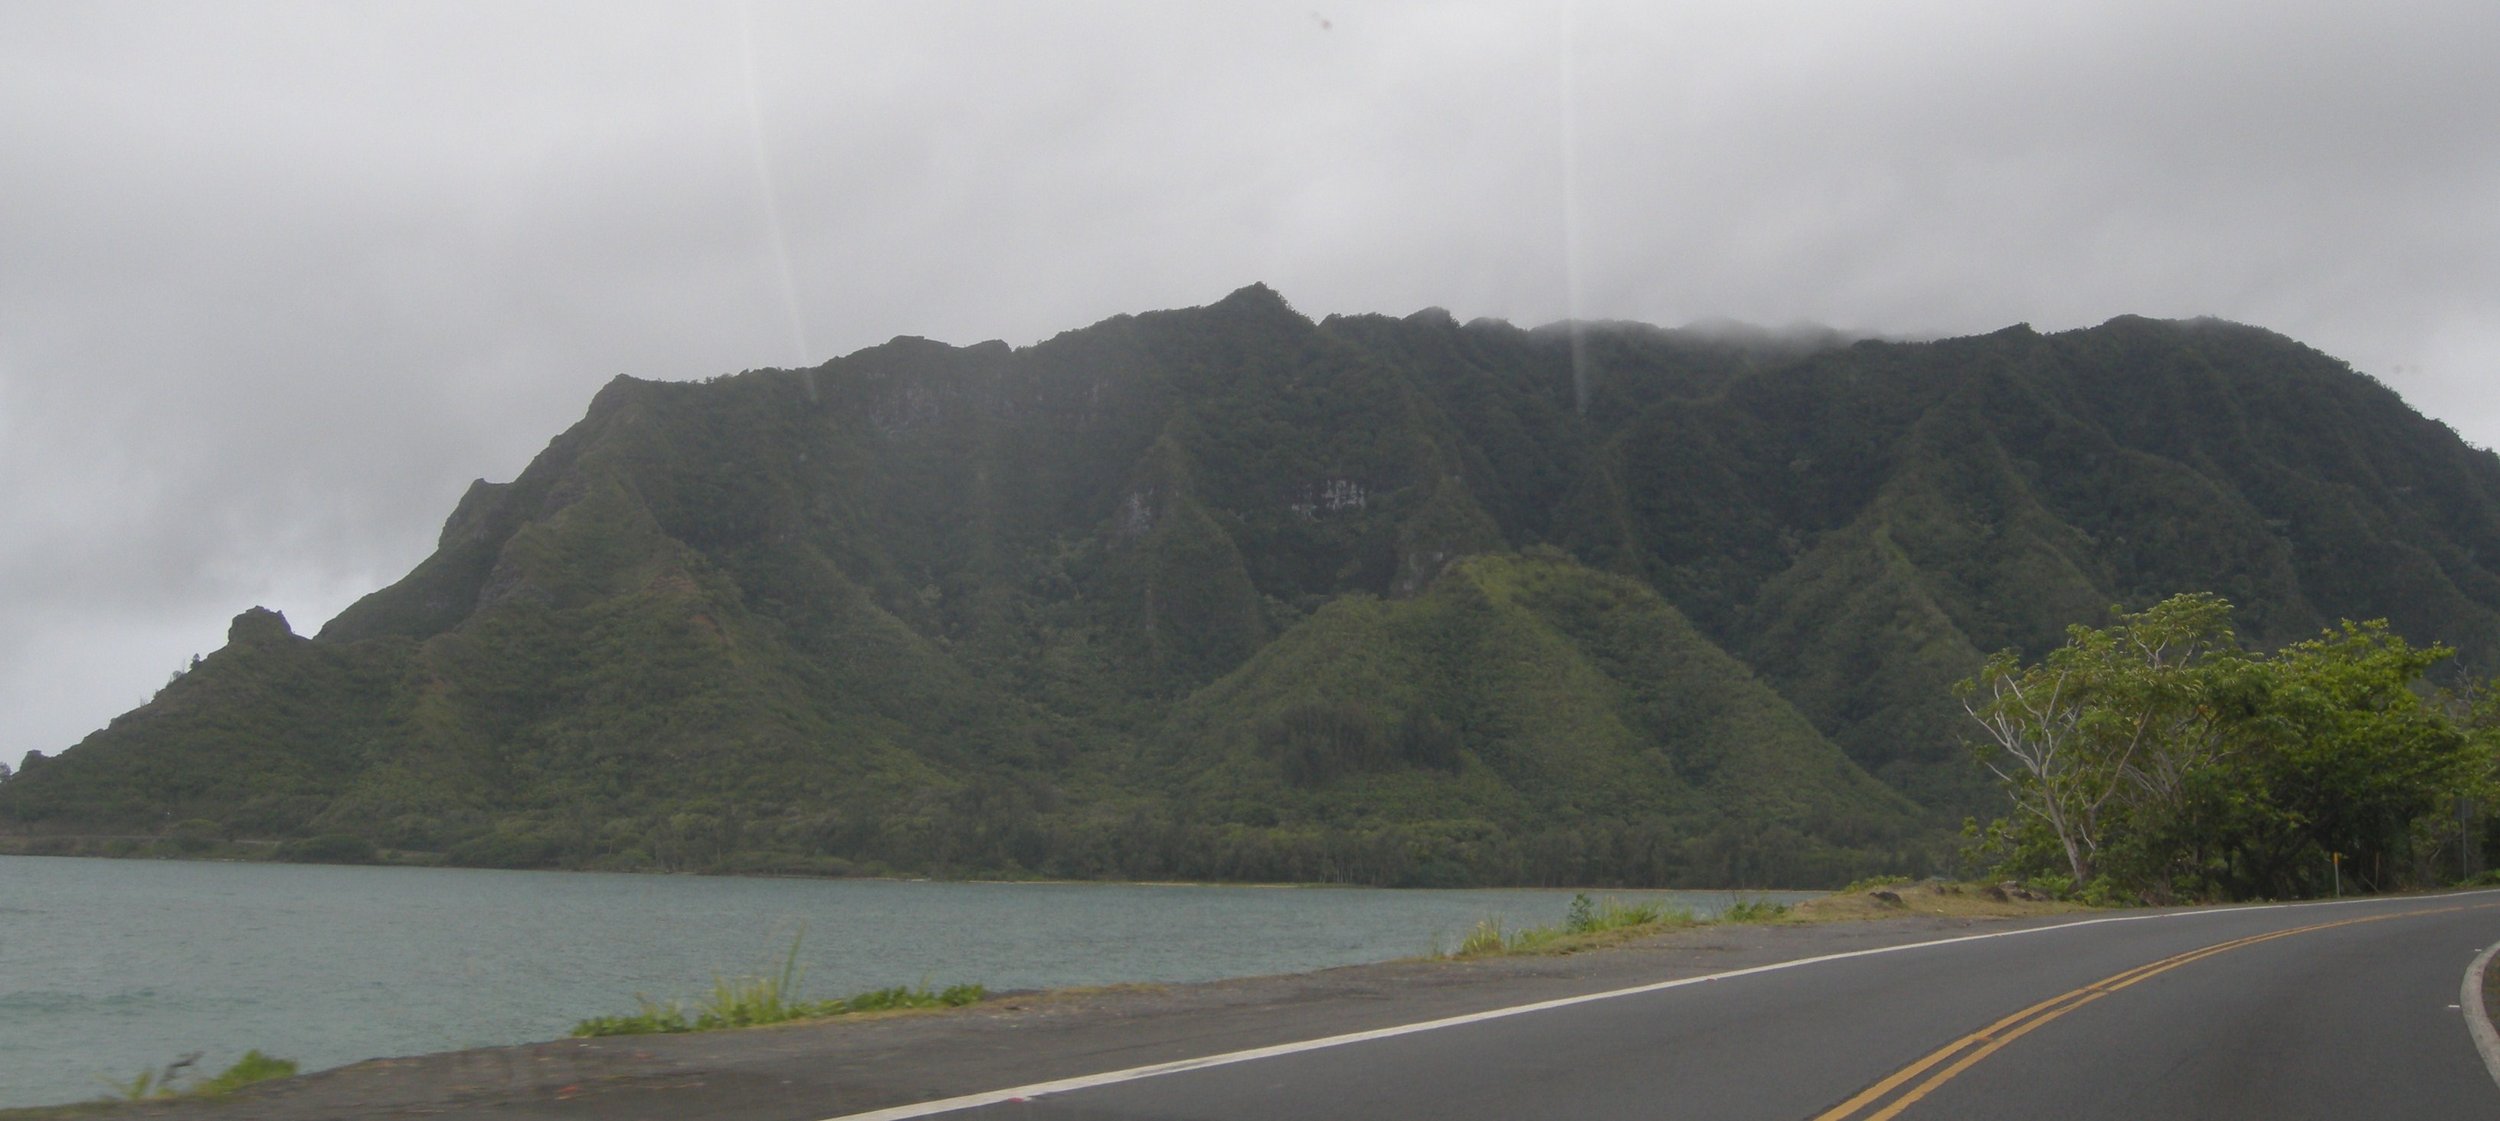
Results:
x,y
2313,1011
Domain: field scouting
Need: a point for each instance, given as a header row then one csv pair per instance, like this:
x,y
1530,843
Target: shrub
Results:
x,y
1754,910
252,1067
1485,938
2053,885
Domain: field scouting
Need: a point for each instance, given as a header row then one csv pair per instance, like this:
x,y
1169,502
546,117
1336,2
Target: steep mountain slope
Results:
x,y
1226,592
1534,717
1860,524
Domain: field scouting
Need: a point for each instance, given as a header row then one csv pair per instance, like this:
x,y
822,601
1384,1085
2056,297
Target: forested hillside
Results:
x,y
1223,592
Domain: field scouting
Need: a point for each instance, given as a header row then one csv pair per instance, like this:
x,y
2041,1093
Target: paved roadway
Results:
x,y
2342,1011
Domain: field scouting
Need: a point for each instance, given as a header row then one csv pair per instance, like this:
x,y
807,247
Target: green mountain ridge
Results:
x,y
1224,592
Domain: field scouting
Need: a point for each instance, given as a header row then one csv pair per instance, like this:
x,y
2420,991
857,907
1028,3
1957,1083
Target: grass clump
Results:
x,y
1486,937
1589,922
252,1067
739,1002
1754,910
737,1005
1590,917
157,1085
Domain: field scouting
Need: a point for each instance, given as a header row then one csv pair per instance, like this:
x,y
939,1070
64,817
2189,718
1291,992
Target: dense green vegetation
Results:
x,y
2156,758
1226,593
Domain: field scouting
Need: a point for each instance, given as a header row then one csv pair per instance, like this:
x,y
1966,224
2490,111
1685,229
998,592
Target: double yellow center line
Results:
x,y
1887,1098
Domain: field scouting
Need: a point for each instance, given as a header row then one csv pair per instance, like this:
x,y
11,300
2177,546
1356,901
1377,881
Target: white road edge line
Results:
x,y
1132,1074
2478,1021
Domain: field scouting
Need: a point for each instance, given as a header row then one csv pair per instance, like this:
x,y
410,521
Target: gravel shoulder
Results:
x,y
811,1071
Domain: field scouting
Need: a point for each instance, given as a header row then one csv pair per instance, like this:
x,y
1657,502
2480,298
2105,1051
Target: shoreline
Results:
x,y
6,849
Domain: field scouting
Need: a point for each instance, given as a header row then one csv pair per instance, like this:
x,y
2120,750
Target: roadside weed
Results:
x,y
749,1001
156,1085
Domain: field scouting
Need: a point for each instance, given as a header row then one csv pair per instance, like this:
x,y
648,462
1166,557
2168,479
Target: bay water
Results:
x,y
113,967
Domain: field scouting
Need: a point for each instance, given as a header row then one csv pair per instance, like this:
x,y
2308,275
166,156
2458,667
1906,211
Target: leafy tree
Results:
x,y
2156,757
2117,711
2346,757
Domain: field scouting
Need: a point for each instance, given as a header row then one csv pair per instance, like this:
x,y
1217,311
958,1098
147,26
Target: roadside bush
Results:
x,y
2053,885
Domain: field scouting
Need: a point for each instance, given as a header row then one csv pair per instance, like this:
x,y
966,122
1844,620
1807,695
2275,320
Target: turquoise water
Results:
x,y
112,967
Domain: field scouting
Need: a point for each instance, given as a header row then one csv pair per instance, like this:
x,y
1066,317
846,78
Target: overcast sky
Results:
x,y
277,281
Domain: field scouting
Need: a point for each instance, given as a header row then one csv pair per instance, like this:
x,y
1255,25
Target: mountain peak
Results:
x,y
1255,298
258,626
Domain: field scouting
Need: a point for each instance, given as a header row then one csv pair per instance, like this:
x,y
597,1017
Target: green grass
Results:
x,y
1754,910
1594,922
746,1003
1590,922
749,1001
1486,938
157,1085
252,1067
